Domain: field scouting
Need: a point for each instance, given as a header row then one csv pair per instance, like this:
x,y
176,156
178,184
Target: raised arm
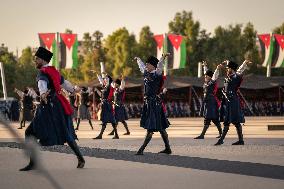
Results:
x,y
205,67
243,67
100,79
217,72
20,93
122,85
140,64
160,65
32,93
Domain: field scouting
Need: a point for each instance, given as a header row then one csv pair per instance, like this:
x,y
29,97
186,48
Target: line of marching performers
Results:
x,y
52,123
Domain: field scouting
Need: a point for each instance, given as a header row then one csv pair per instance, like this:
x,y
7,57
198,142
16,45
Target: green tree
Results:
x,y
120,51
250,49
279,29
87,43
26,70
147,45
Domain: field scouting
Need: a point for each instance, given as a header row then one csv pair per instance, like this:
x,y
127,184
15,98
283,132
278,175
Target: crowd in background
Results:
x,y
173,109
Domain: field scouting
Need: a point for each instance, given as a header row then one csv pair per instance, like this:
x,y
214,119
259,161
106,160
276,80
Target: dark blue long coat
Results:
x,y
107,115
153,117
233,112
210,106
119,109
51,125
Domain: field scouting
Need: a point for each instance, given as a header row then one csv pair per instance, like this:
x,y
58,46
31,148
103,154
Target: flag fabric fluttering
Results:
x,y
69,51
280,47
160,44
268,44
178,49
48,41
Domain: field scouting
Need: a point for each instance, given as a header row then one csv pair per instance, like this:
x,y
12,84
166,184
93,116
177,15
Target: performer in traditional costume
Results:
x,y
26,106
233,112
74,104
52,124
118,99
211,104
107,114
83,109
153,116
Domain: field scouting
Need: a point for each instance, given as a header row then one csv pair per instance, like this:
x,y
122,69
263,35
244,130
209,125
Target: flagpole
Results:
x,y
57,50
199,69
3,81
268,70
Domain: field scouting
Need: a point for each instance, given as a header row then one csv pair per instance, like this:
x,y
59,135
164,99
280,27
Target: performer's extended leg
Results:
x,y
225,131
218,125
126,128
206,126
78,123
73,145
21,124
240,134
146,141
165,138
32,164
112,132
100,136
114,125
90,122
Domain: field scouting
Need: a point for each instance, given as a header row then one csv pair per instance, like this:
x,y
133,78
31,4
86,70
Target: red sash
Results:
x,y
55,77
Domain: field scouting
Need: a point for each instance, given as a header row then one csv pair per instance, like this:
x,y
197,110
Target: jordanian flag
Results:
x,y
48,41
69,51
160,44
267,43
178,52
280,41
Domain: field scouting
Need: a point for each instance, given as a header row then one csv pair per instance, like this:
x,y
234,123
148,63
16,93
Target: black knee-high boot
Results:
x,y
100,136
112,132
218,125
201,136
115,131
146,141
90,122
165,138
240,135
30,166
221,139
126,128
21,125
73,145
78,123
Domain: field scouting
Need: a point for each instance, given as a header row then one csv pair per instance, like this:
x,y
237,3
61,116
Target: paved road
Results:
x,y
194,163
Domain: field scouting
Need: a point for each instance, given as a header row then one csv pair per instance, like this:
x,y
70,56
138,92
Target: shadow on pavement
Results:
x,y
224,166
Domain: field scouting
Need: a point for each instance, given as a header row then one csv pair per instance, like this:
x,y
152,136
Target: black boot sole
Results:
x,y
218,143
98,138
81,164
238,143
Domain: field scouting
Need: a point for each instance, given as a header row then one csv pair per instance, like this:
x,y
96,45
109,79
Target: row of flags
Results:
x,y
273,46
64,47
175,45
